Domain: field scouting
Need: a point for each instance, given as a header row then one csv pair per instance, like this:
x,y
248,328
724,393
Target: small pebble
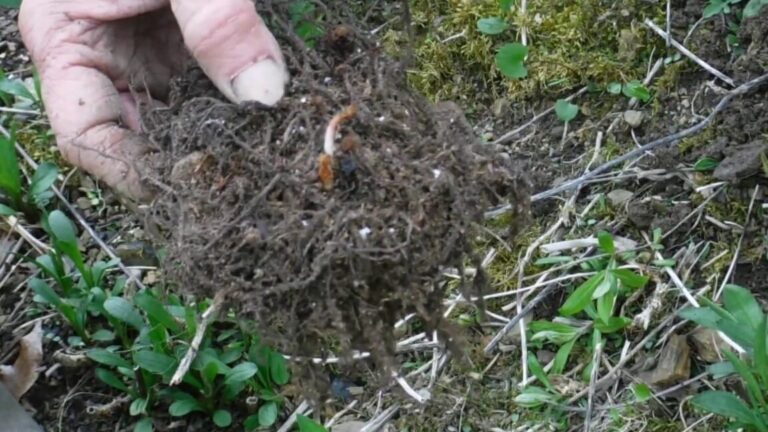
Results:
x,y
633,118
83,203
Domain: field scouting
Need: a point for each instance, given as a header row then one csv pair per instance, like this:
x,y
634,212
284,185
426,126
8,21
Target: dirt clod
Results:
x,y
314,267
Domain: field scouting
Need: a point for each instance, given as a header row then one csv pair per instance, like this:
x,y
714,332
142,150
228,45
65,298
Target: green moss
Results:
x,y
571,43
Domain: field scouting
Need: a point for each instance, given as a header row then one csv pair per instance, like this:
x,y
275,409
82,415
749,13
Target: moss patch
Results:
x,y
571,43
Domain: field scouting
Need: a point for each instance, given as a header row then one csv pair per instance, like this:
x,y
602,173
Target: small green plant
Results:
x,y
589,309
742,320
228,364
305,23
631,89
80,293
510,57
30,199
565,110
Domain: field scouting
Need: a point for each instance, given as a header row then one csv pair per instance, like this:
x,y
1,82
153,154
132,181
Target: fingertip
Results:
x,y
262,82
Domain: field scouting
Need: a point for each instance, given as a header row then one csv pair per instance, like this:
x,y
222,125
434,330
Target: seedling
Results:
x,y
510,60
743,321
632,89
38,192
565,110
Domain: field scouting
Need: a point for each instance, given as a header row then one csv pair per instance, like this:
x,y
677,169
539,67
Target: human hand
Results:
x,y
88,53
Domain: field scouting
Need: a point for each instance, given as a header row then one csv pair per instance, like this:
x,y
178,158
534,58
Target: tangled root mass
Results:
x,y
242,208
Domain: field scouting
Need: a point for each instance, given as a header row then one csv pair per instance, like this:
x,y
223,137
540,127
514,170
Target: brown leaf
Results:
x,y
20,377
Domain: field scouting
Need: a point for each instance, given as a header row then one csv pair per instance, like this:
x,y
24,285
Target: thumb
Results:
x,y
233,46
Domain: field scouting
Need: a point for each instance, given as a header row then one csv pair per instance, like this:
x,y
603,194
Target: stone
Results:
x,y
619,196
83,203
741,161
674,365
15,417
707,344
633,118
137,254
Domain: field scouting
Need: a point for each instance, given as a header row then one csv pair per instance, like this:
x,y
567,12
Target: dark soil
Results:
x,y
316,266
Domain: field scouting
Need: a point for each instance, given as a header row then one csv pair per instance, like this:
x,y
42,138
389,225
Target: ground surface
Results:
x,y
701,213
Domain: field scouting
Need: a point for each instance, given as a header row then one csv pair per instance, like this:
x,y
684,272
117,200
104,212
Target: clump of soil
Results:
x,y
242,207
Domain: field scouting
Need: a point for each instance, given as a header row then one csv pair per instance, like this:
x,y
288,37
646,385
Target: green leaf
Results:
x,y
43,179
506,5
614,88
705,164
725,404
232,354
533,396
138,406
713,8
41,288
144,425
760,350
754,392
642,392
705,317
581,297
740,302
268,414
510,59
120,309
636,89
11,4
565,110
278,368
209,372
100,355
492,25
15,87
6,211
103,335
612,325
608,284
156,311
561,358
753,7
154,362
605,305
721,369
241,372
306,424
183,404
538,371
251,423
110,379
605,240
62,227
630,279
10,175
556,333
222,418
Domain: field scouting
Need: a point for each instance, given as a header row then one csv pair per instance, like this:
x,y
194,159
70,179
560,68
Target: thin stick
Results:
x,y
687,53
208,316
408,389
592,379
732,266
724,102
376,424
301,409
